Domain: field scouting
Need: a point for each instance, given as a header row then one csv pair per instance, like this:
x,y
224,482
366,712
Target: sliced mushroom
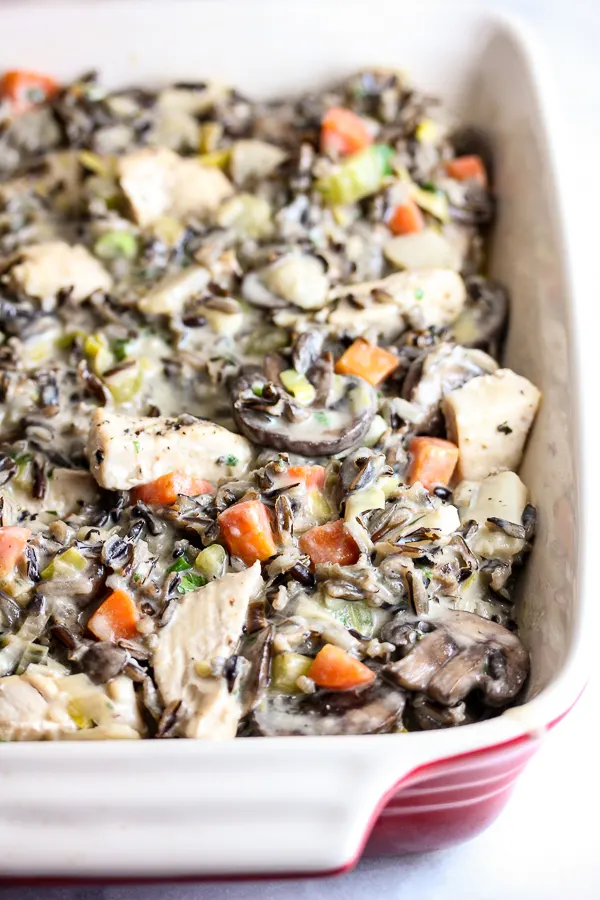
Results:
x,y
424,715
318,431
463,652
483,321
256,648
431,377
373,710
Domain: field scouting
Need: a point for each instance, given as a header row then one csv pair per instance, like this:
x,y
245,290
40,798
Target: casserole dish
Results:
x,y
282,807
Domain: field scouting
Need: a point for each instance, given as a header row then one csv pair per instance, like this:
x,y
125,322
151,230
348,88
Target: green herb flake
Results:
x,y
229,460
180,565
137,577
321,417
119,348
136,446
190,582
419,294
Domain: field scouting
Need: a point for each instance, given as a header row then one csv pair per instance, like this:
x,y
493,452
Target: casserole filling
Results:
x,y
258,461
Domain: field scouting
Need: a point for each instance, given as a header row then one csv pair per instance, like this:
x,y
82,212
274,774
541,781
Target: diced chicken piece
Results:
x,y
384,320
299,279
501,496
28,715
252,160
424,249
445,519
207,626
157,182
172,292
191,100
46,269
423,297
125,451
489,419
446,368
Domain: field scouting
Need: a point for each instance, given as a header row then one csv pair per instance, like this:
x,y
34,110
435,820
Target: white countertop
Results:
x,y
544,846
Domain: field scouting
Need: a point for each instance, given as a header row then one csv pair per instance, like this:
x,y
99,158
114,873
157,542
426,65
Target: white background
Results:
x,y
546,844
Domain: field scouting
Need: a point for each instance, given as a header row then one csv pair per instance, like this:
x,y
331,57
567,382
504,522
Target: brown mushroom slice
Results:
x,y
374,710
431,652
316,430
464,652
424,715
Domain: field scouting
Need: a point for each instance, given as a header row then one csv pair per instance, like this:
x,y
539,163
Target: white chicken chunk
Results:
x,y
45,269
172,292
207,626
40,705
125,451
501,496
418,298
489,419
157,182
252,160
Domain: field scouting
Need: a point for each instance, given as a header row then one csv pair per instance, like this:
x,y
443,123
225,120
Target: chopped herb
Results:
x,y
119,348
136,446
190,582
52,512
180,565
505,428
229,460
137,577
321,417
418,293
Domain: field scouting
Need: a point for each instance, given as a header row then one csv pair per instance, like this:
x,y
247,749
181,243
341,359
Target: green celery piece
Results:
x,y
180,565
355,614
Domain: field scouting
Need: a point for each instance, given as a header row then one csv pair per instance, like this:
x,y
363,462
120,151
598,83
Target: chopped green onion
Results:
x,y
180,565
190,582
119,348
116,245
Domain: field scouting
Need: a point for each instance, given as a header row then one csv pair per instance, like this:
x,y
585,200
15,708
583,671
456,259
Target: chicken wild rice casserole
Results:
x,y
258,461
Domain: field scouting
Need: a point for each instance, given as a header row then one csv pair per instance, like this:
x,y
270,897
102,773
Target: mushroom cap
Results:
x,y
318,431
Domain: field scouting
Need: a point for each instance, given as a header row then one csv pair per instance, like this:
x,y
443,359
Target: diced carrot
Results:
x,y
246,529
12,544
26,89
311,476
407,218
467,168
330,543
167,488
369,361
116,618
343,132
336,670
433,461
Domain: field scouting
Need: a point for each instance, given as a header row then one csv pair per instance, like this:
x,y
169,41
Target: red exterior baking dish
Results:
x,y
281,806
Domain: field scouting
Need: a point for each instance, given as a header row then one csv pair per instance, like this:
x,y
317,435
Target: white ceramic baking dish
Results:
x,y
300,805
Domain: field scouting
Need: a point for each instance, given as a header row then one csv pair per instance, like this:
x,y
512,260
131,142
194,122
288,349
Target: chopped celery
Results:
x,y
116,245
426,131
359,176
212,561
218,159
190,582
65,564
97,351
168,230
319,508
298,386
389,484
124,385
180,565
99,165
286,669
355,614
66,341
361,397
434,202
210,135
34,655
377,428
